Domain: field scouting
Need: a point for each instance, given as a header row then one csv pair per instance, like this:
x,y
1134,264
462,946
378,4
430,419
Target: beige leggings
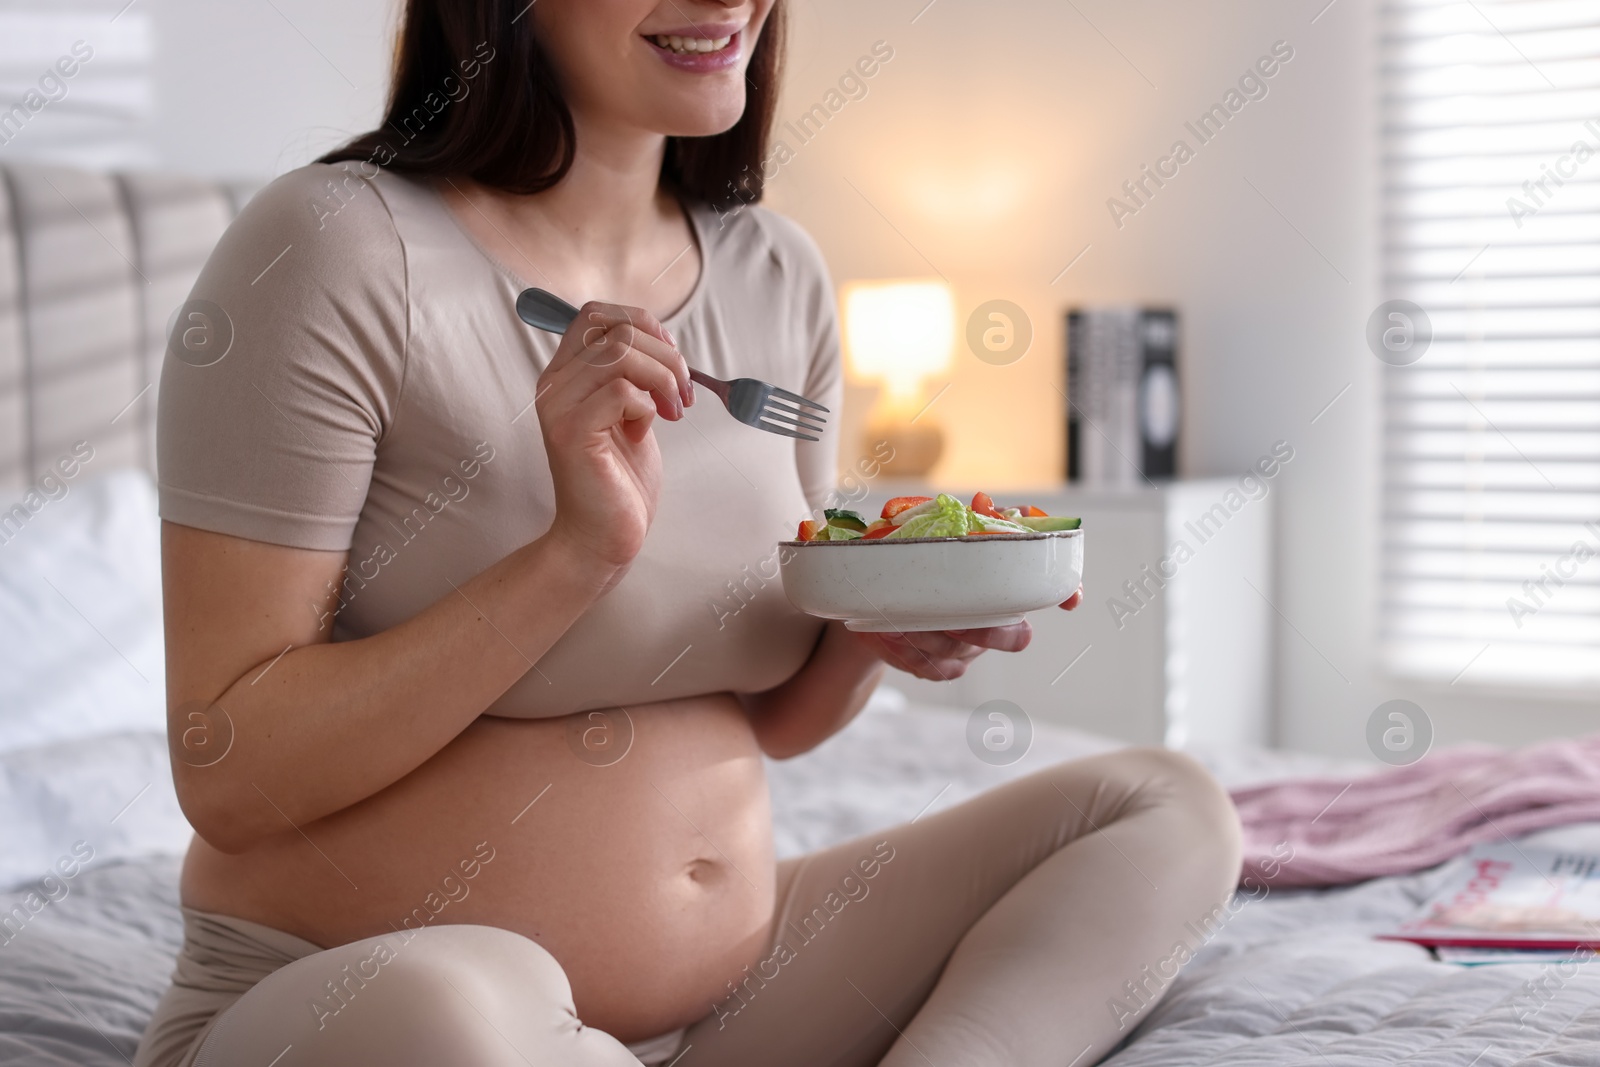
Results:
x,y
1032,925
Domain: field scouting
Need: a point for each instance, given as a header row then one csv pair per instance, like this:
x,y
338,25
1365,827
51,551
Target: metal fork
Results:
x,y
751,401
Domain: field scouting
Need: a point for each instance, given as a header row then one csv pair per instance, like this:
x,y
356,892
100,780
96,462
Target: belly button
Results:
x,y
702,870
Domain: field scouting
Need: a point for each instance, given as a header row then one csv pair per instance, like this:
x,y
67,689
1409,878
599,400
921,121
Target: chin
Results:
x,y
702,117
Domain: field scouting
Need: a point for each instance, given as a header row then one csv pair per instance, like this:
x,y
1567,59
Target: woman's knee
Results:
x,y
473,967
412,995
1181,790
496,996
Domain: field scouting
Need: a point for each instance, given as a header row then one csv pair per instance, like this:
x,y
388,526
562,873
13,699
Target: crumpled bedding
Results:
x,y
79,979
1291,977
1345,831
1296,978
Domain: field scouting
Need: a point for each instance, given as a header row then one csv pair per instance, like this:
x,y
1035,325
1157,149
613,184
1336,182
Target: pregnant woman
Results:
x,y
471,665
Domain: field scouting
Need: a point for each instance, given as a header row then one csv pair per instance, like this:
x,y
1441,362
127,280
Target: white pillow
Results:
x,y
87,802
80,615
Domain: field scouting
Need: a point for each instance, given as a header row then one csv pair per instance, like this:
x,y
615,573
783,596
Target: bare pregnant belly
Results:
x,y
645,866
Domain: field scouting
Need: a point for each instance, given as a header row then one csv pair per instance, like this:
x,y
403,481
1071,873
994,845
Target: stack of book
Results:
x,y
1122,396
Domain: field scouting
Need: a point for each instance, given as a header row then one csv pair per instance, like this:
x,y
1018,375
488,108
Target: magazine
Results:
x,y
1505,896
1482,957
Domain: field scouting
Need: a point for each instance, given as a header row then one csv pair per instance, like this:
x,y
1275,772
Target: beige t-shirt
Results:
x,y
374,393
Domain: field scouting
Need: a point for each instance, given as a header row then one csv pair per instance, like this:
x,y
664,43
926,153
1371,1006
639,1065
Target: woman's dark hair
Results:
x,y
473,94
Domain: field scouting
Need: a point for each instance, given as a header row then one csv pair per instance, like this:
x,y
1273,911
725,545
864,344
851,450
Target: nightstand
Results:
x,y
1172,644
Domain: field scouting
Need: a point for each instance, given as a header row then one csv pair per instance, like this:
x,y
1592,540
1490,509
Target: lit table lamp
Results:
x,y
898,335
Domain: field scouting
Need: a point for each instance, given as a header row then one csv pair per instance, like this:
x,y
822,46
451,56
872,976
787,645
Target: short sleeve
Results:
x,y
284,367
816,310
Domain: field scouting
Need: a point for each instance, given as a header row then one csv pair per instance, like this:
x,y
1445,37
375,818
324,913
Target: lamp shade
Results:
x,y
899,332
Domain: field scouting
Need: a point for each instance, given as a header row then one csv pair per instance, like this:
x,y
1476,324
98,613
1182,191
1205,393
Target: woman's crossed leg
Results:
x,y
999,931
1021,928
474,996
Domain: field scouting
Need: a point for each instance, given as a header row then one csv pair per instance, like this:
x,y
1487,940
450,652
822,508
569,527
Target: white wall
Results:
x,y
989,145
992,142
248,88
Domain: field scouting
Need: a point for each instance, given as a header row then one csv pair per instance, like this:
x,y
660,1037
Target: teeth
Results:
x,y
691,45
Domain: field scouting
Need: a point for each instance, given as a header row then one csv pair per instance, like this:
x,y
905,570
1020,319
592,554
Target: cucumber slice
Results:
x,y
1048,523
844,518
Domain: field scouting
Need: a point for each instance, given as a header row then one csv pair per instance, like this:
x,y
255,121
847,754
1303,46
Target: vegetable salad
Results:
x,y
933,516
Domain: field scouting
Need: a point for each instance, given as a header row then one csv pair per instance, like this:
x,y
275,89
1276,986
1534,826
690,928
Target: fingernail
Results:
x,y
671,340
688,392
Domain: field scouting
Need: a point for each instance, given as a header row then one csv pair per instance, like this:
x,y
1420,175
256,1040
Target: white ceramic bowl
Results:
x,y
932,583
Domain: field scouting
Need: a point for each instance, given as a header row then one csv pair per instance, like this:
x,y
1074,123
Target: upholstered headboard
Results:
x,y
93,268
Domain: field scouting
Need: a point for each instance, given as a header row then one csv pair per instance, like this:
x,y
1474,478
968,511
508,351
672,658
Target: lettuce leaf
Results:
x,y
949,518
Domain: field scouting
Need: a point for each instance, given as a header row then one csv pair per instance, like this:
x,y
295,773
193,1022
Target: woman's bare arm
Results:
x,y
845,667
835,682
310,727
273,726
820,699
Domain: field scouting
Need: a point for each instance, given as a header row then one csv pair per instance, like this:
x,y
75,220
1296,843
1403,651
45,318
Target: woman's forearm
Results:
x,y
826,693
329,724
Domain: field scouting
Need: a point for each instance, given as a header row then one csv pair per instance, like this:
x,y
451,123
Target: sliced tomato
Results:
x,y
903,503
983,504
874,532
808,530
1033,512
987,533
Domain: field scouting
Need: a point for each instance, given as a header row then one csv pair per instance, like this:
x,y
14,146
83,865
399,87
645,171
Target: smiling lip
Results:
x,y
701,62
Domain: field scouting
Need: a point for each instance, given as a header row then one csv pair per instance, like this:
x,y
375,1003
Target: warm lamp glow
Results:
x,y
899,333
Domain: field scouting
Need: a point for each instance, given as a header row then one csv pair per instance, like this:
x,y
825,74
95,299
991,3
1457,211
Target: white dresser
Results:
x,y
1171,646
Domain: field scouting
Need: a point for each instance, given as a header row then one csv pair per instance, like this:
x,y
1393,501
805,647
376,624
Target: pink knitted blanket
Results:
x,y
1319,832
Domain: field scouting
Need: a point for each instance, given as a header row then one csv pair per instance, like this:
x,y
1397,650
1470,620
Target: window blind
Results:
x,y
1491,438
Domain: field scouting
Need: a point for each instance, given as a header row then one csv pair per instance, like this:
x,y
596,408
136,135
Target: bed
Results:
x,y
90,268
1293,978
